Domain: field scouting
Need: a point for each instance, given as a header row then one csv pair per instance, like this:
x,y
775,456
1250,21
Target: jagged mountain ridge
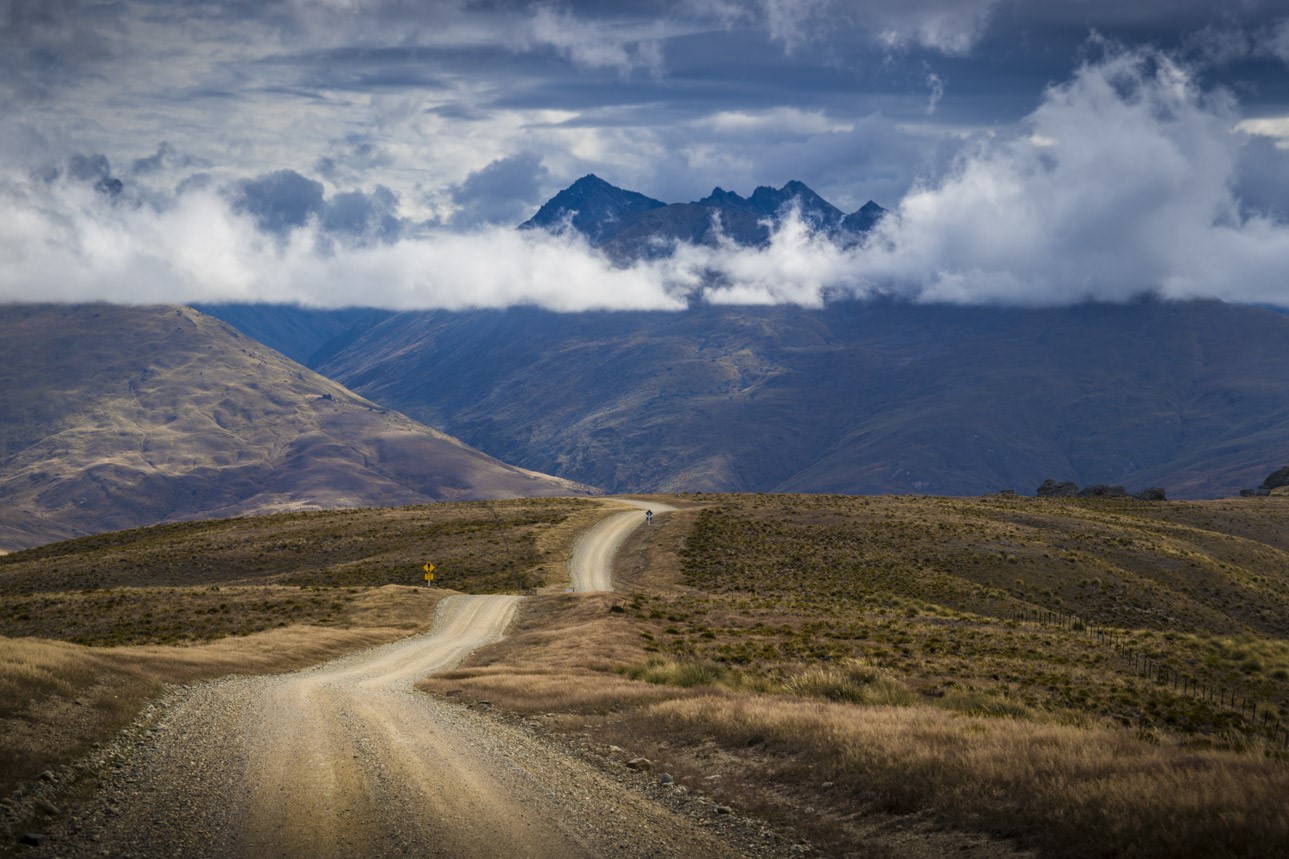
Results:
x,y
629,225
114,417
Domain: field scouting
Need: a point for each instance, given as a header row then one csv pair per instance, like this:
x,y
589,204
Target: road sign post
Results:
x,y
429,573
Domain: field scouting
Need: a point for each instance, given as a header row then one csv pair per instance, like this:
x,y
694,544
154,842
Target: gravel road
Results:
x,y
346,759
591,566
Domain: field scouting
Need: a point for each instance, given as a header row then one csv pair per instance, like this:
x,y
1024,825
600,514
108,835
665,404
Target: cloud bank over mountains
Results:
x,y
1129,178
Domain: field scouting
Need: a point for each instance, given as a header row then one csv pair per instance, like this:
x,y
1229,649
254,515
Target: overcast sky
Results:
x,y
1034,152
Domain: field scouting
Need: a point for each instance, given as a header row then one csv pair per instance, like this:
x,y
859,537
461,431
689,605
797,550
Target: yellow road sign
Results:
x,y
429,568
429,577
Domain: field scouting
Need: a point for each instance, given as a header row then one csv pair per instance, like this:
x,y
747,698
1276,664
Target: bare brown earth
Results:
x,y
114,417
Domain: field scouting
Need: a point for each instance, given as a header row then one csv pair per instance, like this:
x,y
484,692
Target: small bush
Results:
x,y
853,681
976,703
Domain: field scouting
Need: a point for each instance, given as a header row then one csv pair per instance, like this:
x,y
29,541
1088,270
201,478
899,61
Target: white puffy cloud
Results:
x,y
64,241
1125,180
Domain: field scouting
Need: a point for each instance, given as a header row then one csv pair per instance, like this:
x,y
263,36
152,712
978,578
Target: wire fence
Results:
x,y
1262,717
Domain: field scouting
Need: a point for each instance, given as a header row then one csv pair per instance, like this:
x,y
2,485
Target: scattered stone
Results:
x,y
616,750
47,775
639,763
666,778
724,809
826,785
1275,480
47,807
33,839
1051,489
681,790
712,778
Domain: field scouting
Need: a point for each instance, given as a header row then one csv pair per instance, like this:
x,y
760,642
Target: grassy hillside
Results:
x,y
114,417
858,669
479,547
923,676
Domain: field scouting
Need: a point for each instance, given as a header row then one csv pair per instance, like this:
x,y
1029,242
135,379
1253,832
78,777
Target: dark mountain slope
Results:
x,y
113,417
856,397
296,332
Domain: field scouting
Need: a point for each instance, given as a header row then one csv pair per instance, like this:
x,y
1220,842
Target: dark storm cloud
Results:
x,y
281,201
504,192
284,201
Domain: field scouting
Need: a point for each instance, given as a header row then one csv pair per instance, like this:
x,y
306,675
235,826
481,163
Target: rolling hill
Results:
x,y
113,417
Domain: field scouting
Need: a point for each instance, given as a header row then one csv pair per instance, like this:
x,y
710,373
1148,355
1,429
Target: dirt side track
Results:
x,y
345,759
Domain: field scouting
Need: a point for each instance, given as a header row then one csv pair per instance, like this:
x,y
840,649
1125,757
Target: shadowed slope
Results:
x,y
864,397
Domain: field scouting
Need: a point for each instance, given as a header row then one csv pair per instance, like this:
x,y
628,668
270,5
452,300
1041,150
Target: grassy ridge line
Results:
x,y
342,548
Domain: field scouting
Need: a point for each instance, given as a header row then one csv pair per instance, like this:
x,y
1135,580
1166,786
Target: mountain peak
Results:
x,y
593,207
864,218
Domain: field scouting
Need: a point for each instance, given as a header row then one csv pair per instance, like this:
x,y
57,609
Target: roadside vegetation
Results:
x,y
841,664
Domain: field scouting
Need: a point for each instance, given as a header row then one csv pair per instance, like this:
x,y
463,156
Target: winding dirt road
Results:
x,y
591,567
346,759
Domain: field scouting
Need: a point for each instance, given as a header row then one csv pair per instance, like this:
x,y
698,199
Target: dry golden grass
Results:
x,y
1204,567
58,698
1016,733
1067,791
478,547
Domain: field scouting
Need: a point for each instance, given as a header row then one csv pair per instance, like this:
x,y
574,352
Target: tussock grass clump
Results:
x,y
854,681
672,672
975,702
